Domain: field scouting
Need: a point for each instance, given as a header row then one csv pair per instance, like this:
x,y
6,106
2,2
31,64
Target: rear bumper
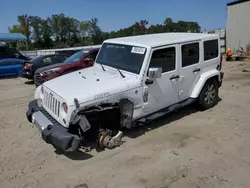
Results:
x,y
221,78
51,131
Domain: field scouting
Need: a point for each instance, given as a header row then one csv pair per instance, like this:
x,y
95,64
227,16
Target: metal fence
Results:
x,y
35,53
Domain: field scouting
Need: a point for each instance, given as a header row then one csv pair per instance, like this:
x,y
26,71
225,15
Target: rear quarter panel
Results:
x,y
208,68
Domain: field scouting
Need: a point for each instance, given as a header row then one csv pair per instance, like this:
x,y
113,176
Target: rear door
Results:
x,y
190,68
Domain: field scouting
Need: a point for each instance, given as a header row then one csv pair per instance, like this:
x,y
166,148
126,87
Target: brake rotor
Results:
x,y
103,140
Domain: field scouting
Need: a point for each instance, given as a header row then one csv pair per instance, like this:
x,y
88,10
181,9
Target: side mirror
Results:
x,y
154,72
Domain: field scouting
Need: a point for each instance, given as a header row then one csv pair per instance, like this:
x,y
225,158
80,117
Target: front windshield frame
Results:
x,y
76,56
133,57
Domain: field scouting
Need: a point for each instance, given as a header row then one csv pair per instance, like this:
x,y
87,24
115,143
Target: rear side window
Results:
x,y
211,50
164,58
190,54
47,60
60,58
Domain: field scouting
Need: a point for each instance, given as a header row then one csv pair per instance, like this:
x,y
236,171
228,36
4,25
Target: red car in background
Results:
x,y
82,59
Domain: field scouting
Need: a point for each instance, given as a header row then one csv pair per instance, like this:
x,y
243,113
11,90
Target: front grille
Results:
x,y
51,104
47,115
37,79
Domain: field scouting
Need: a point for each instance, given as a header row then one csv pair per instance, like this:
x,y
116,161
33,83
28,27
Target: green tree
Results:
x,y
170,25
84,32
60,31
95,31
47,33
24,25
140,27
36,24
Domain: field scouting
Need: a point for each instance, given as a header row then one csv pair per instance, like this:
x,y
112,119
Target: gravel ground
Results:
x,y
188,148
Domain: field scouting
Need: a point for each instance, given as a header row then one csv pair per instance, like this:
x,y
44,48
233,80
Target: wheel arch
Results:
x,y
124,106
214,74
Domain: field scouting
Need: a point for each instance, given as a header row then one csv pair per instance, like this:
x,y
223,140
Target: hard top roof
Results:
x,y
160,39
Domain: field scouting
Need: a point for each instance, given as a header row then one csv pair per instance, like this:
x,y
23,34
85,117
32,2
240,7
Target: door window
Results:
x,y
59,58
211,49
190,54
164,58
47,60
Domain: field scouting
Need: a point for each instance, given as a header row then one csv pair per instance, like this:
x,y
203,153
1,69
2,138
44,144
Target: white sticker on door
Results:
x,y
138,50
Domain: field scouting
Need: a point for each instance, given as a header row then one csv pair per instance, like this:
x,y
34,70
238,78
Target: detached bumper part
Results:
x,y
52,132
61,139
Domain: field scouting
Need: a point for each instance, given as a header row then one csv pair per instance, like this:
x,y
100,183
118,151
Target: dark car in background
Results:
x,y
82,59
10,62
29,67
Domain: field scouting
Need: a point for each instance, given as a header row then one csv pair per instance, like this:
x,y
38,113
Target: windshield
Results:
x,y
124,57
75,57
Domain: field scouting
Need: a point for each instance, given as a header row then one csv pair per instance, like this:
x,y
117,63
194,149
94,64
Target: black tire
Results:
x,y
208,97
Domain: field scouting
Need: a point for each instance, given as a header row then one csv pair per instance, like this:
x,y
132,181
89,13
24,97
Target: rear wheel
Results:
x,y
209,95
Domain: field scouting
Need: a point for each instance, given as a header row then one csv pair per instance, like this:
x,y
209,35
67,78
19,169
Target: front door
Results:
x,y
190,68
162,92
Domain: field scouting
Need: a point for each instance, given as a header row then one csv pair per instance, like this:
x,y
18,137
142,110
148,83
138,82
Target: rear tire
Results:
x,y
208,97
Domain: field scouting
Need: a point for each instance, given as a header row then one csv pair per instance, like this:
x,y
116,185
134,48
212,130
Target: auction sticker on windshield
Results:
x,y
138,50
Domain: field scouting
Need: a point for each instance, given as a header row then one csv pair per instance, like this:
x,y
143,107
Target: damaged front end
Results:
x,y
102,123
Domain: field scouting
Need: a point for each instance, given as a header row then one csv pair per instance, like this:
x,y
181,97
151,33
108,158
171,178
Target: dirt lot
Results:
x,y
187,149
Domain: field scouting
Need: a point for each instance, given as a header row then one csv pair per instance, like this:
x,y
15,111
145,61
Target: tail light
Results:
x,y
27,66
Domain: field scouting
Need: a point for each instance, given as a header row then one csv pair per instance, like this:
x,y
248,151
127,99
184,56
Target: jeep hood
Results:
x,y
90,84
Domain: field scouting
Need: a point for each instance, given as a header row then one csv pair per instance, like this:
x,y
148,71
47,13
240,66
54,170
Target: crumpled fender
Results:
x,y
203,78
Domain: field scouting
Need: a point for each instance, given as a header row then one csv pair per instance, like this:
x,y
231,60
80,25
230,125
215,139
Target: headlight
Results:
x,y
50,71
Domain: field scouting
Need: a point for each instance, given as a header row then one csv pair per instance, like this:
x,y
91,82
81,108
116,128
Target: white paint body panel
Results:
x,y
93,86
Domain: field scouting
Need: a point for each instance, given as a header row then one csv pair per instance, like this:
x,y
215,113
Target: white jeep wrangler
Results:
x,y
134,80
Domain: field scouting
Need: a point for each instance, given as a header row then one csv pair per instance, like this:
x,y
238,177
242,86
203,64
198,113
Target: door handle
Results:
x,y
174,77
196,70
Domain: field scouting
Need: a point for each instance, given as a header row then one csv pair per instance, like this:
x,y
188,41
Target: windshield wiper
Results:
x,y
102,67
121,73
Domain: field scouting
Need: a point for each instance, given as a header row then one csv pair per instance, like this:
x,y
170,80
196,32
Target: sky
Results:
x,y
116,14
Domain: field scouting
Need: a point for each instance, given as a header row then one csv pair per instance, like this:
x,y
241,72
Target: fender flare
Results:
x,y
201,82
